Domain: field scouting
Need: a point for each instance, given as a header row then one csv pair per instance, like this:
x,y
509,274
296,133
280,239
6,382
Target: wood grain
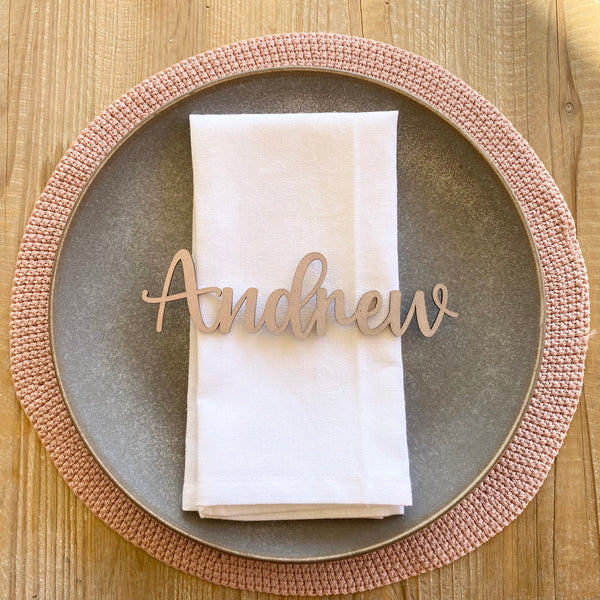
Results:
x,y
63,61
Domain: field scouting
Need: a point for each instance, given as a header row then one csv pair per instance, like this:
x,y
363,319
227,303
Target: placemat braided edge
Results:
x,y
511,483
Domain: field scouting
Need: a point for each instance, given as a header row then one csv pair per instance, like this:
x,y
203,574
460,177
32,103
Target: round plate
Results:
x,y
466,388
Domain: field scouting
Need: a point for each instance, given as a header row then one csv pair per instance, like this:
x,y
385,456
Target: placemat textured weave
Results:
x,y
511,483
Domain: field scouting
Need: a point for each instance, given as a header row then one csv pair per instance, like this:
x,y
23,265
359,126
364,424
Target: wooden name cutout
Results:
x,y
368,305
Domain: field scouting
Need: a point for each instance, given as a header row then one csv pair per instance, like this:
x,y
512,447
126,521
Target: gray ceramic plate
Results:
x,y
466,388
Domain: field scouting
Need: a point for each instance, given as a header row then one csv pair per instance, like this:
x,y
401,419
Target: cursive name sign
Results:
x,y
367,308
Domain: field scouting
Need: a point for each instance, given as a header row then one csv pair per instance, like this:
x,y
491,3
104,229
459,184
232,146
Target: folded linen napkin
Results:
x,y
280,427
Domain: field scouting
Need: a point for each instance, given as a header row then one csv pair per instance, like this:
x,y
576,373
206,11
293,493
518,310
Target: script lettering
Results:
x,y
284,308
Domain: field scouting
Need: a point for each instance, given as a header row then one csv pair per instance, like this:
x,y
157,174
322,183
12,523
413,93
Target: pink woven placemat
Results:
x,y
511,483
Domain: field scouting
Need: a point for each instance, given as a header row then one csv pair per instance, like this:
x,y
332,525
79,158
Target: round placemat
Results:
x,y
520,471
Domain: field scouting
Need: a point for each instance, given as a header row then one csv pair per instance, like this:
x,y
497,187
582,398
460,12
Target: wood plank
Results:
x,y
575,530
62,62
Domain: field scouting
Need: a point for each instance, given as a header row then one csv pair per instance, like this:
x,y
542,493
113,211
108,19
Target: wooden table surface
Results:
x,y
63,61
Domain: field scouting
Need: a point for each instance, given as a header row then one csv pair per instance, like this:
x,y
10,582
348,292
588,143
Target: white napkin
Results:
x,y
279,427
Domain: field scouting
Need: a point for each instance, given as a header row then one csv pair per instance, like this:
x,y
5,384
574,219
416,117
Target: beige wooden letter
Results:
x,y
191,293
228,312
368,306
